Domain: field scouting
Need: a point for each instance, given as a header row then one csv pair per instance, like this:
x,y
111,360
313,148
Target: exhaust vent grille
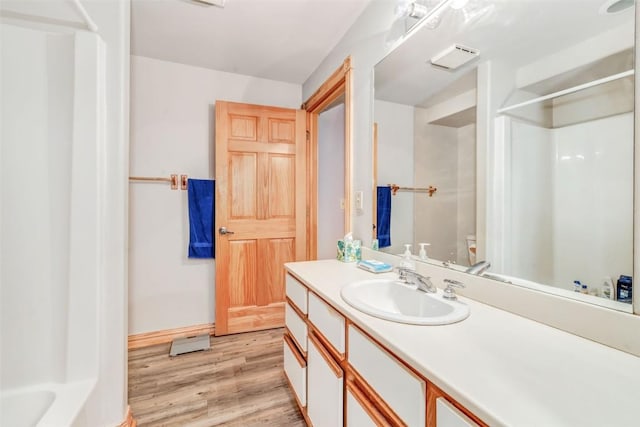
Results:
x,y
454,56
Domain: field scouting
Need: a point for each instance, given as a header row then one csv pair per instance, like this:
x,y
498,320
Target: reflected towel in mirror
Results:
x,y
384,217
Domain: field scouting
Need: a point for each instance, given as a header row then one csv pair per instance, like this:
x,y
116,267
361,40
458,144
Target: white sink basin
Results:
x,y
392,300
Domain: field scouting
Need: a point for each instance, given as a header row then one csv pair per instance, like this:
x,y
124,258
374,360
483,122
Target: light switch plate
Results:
x,y
359,200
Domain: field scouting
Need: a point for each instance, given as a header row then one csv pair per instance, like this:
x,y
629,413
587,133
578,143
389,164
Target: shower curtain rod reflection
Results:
x,y
173,180
395,188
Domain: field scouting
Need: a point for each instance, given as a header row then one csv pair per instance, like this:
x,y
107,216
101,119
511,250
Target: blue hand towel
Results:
x,y
202,203
384,217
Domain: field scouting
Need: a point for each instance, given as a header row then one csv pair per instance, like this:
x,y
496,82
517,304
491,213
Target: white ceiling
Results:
x,y
282,40
514,32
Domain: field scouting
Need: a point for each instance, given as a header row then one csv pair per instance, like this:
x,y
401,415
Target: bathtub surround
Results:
x,y
583,175
63,93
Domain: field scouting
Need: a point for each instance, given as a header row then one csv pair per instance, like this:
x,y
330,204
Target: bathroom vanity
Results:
x,y
493,368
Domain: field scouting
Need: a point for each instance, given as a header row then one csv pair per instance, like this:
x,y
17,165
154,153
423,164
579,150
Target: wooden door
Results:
x,y
261,201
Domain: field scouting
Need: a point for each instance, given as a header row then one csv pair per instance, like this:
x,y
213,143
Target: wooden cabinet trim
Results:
x,y
295,308
294,349
326,355
433,393
326,343
379,403
295,342
367,405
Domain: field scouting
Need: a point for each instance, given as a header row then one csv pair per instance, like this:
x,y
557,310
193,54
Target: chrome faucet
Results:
x,y
408,275
478,268
449,293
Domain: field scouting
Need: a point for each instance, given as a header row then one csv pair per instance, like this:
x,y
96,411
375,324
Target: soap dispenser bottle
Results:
x,y
423,251
407,260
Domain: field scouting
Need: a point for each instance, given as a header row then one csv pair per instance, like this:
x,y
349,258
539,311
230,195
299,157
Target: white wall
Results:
x,y
330,180
172,131
395,166
37,117
365,43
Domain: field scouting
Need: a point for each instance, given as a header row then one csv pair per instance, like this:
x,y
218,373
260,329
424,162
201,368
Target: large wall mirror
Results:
x,y
505,133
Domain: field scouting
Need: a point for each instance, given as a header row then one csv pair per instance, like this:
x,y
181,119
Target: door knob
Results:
x,y
223,231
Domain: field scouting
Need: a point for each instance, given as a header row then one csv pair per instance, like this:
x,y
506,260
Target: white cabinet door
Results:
x,y
448,415
295,368
296,326
324,391
401,389
296,292
361,412
357,416
329,322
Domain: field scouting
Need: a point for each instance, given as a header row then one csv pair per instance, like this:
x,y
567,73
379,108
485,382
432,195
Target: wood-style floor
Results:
x,y
239,382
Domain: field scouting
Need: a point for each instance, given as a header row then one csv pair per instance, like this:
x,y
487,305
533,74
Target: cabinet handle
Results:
x,y
367,405
337,370
294,350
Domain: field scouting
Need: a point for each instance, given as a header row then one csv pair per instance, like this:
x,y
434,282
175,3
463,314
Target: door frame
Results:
x,y
339,83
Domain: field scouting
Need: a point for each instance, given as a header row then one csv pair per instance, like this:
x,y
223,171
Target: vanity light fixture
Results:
x,y
411,9
458,4
219,3
454,57
615,6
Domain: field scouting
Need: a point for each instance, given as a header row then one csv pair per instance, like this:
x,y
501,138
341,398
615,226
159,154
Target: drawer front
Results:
x,y
328,322
325,379
296,326
295,368
448,415
387,376
296,292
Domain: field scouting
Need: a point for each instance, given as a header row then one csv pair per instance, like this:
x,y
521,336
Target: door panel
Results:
x,y
281,186
282,131
242,277
275,252
261,198
242,180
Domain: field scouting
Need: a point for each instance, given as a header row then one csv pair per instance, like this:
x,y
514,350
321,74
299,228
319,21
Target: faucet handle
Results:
x,y
450,293
455,283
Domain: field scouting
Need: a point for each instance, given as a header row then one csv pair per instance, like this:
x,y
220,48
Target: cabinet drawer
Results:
x,y
296,292
328,322
448,415
295,368
325,379
296,326
402,390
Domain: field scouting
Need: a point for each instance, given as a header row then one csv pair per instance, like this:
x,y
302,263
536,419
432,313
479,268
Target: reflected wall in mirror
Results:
x,y
530,144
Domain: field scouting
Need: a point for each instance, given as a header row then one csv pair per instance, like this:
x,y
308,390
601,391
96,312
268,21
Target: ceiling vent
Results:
x,y
454,57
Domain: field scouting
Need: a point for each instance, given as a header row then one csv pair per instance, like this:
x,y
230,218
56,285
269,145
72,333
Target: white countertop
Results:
x,y
504,368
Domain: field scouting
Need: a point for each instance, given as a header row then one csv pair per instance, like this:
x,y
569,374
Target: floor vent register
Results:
x,y
189,345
